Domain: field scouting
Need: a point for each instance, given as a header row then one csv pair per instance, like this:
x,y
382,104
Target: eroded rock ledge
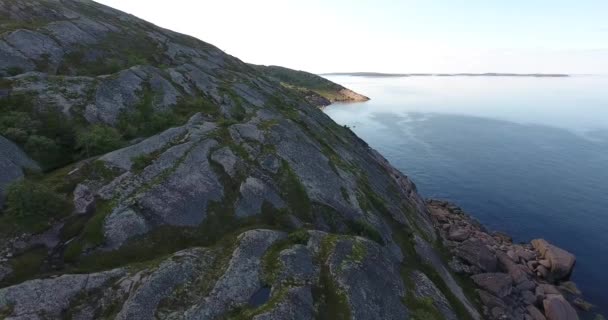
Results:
x,y
514,281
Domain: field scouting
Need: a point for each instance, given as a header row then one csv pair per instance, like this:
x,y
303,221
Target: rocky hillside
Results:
x,y
317,90
146,174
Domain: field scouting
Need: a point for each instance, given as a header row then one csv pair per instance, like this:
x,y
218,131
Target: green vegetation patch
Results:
x,y
267,124
116,52
294,193
237,111
330,299
365,229
358,252
27,264
99,139
404,238
46,135
144,121
6,311
301,80
8,25
271,263
422,308
244,313
31,206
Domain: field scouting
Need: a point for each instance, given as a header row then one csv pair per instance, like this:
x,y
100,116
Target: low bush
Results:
x,y
98,139
26,200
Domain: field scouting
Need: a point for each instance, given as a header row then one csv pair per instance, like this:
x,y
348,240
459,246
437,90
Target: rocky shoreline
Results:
x,y
514,281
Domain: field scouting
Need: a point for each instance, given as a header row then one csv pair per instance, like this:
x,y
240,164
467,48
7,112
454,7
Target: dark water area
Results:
x,y
527,156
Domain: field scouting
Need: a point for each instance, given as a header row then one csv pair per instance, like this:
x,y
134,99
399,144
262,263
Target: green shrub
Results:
x,y
28,264
364,229
42,149
141,161
27,199
47,136
16,134
99,139
13,71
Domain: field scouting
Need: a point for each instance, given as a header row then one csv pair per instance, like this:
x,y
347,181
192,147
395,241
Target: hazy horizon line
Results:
x,y
412,74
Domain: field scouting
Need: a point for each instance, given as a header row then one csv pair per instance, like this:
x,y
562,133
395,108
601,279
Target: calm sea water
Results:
x,y
528,156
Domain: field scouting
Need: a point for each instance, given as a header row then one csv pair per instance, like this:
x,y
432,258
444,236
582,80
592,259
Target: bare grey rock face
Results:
x,y
182,199
425,288
12,162
252,144
144,299
113,95
246,132
227,159
363,269
242,277
12,60
35,46
253,193
428,254
123,158
298,266
68,33
297,304
123,224
270,163
51,297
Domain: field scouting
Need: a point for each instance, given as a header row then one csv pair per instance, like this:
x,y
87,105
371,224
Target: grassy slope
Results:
x,y
306,81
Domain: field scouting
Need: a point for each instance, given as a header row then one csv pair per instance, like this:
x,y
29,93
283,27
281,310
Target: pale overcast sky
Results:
x,y
525,36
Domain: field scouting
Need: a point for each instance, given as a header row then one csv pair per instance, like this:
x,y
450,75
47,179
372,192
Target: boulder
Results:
x,y
528,297
535,313
548,289
526,285
526,255
84,200
545,263
561,261
477,254
227,159
557,308
458,234
499,284
490,300
515,270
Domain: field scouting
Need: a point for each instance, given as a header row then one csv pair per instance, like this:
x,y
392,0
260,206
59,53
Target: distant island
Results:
x,y
490,74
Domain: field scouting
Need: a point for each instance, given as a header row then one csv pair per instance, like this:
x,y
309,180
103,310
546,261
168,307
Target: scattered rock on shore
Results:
x,y
517,281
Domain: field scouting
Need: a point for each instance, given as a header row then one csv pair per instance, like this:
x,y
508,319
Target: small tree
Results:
x,y
99,139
